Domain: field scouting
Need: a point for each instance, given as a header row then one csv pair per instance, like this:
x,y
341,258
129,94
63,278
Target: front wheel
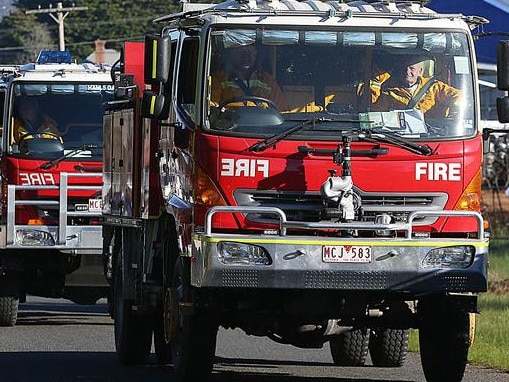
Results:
x,y
193,333
9,299
444,340
8,310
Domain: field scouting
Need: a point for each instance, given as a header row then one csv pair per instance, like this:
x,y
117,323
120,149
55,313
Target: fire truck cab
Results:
x,y
51,177
277,170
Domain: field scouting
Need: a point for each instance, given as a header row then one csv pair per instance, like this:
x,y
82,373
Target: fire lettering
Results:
x,y
36,179
244,167
438,171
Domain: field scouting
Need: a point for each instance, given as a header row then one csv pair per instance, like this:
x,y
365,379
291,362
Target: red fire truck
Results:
x,y
292,202
51,178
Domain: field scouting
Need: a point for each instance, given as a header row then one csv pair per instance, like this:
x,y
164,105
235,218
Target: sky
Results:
x,y
5,7
502,4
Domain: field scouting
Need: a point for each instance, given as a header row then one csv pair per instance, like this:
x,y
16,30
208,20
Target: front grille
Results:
x,y
307,206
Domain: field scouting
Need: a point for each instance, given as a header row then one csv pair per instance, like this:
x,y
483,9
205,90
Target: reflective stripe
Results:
x,y
378,243
154,58
152,104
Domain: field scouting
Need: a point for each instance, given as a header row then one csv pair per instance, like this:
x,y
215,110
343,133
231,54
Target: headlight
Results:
x,y
460,256
240,253
33,237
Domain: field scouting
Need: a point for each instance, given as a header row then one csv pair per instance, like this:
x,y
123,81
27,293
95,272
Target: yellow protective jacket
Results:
x,y
260,84
437,102
45,125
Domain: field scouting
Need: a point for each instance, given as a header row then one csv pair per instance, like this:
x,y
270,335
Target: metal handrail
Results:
x,y
284,224
63,213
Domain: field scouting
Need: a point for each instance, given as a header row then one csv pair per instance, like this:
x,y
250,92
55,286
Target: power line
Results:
x,y
119,39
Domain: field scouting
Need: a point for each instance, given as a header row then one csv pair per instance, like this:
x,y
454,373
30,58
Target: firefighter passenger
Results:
x,y
407,87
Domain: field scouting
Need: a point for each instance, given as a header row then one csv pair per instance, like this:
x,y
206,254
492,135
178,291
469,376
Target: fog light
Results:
x,y
32,237
240,253
450,257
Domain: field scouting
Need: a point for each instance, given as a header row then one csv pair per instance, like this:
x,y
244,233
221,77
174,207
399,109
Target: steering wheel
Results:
x,y
40,136
258,101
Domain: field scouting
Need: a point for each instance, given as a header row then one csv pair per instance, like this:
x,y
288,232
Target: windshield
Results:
x,y
51,120
417,85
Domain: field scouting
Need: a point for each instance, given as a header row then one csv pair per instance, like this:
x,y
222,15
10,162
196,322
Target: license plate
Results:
x,y
95,205
346,254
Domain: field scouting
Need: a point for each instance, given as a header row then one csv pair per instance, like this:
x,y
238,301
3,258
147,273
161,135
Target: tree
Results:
x,y
22,38
115,21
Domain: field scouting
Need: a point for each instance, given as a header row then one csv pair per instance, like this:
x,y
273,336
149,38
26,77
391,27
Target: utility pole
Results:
x,y
59,19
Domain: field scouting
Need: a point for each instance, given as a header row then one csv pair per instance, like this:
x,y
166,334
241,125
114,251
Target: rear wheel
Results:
x,y
161,346
444,339
388,347
193,333
133,334
350,348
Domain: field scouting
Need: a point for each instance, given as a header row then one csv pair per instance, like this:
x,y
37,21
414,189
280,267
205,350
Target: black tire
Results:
x,y
194,339
388,347
444,342
350,348
8,310
133,334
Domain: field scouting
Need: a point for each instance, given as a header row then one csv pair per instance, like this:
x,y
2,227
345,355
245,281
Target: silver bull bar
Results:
x,y
65,236
284,224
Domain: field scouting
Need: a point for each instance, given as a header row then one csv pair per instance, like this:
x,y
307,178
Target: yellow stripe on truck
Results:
x,y
154,58
152,105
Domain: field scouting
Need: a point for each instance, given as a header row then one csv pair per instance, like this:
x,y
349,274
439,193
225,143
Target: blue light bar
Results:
x,y
54,57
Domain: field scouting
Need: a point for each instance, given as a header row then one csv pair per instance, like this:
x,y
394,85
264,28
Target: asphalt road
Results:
x,y
56,340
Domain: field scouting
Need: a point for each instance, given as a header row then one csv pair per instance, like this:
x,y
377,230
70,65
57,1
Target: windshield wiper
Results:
x,y
396,140
51,163
266,143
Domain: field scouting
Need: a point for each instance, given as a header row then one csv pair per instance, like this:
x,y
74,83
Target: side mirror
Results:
x,y
503,80
503,109
154,105
157,59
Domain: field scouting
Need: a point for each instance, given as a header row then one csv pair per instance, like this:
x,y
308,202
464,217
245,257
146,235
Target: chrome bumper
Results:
x,y
397,264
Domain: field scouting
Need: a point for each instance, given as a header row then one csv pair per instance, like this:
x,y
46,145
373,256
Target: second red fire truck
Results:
x,y
51,177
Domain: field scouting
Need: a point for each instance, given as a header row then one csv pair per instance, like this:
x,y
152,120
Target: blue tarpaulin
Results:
x,y
497,11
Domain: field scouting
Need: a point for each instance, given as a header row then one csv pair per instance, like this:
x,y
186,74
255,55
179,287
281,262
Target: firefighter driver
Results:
x,y
30,120
243,77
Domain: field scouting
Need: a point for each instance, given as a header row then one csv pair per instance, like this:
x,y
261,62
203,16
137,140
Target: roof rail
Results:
x,y
420,2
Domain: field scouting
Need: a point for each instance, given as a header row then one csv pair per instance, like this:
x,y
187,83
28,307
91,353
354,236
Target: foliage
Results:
x,y
26,35
115,21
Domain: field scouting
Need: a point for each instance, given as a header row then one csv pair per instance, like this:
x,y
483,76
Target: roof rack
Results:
x,y
420,2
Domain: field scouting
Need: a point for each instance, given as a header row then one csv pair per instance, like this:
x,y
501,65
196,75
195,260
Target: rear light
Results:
x,y
470,199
